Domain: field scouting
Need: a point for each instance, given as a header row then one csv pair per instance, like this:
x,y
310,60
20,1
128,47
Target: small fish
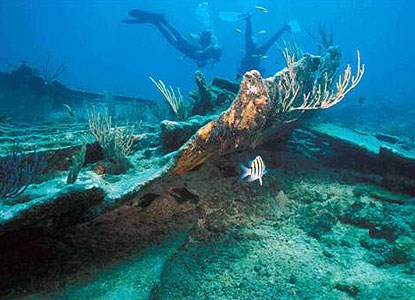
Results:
x,y
261,32
255,171
261,8
237,30
71,112
260,55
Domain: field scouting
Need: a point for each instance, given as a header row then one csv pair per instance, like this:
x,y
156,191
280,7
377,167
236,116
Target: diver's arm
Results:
x,y
265,47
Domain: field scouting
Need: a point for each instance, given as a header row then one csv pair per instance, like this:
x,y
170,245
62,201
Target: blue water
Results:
x,y
105,55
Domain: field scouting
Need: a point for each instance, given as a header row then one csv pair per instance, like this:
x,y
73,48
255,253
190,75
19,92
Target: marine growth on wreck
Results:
x,y
149,158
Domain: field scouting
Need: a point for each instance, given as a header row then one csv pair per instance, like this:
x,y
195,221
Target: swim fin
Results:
x,y
295,27
142,16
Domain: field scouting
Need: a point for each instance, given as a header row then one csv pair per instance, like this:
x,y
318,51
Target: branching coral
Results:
x,y
177,103
50,72
320,96
19,171
289,85
116,142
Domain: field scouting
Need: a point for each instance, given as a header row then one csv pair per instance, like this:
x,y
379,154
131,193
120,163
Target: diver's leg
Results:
x,y
173,31
167,35
265,47
181,43
178,41
249,42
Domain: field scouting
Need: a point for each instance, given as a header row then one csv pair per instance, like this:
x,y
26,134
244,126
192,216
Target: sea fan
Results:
x,y
18,171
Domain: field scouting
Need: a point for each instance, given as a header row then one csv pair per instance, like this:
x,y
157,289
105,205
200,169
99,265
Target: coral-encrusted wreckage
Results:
x,y
226,119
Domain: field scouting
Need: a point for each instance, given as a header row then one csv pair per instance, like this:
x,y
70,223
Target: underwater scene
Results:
x,y
185,150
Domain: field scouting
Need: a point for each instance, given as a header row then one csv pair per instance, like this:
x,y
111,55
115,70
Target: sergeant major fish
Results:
x,y
255,170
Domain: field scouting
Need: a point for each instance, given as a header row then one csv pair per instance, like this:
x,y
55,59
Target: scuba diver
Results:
x,y
206,51
253,52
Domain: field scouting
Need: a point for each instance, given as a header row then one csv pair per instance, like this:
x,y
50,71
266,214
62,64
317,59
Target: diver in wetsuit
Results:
x,y
206,51
253,52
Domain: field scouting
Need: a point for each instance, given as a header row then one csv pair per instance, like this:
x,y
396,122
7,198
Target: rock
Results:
x,y
328,254
293,279
182,194
376,259
410,268
364,214
389,230
283,203
350,289
264,272
147,199
321,225
378,250
381,220
261,270
403,250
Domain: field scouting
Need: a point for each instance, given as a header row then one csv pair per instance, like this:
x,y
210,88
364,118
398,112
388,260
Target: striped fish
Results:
x,y
255,171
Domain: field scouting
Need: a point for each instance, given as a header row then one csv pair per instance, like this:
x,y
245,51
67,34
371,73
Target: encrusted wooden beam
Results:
x,y
241,127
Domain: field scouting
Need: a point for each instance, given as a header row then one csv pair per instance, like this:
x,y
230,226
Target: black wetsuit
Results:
x,y
253,53
203,53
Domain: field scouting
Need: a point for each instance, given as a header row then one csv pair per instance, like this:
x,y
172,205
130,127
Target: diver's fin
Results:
x,y
295,27
142,16
231,16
